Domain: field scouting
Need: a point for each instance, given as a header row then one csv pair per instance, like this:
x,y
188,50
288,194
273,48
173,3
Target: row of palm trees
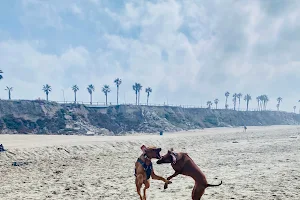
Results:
x,y
236,97
137,87
262,101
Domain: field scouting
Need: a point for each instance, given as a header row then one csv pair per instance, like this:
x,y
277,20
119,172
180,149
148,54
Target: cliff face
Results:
x,y
40,117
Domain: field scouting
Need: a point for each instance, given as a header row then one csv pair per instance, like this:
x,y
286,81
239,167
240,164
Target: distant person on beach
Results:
x,y
1,148
245,128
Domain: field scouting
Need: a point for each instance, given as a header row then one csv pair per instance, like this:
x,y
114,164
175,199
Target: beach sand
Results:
x,y
260,164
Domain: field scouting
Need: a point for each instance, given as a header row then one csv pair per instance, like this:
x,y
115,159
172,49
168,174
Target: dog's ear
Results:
x,y
171,149
144,148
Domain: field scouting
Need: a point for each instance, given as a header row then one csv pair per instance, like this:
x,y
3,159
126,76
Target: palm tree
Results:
x,y
226,95
75,88
140,88
47,89
295,109
209,104
258,101
91,89
262,101
279,100
9,89
216,101
247,98
235,95
137,88
239,95
106,90
1,72
118,82
265,99
148,91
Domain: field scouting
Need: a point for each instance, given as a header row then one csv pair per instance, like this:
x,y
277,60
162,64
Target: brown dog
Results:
x,y
144,169
183,164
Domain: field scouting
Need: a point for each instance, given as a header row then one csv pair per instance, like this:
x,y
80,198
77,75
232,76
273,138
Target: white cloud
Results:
x,y
76,10
188,52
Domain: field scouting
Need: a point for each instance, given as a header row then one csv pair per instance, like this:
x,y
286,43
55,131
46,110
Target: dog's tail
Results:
x,y
210,185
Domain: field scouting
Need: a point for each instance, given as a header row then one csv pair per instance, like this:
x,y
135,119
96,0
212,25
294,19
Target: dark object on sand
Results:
x,y
19,163
161,133
1,148
245,128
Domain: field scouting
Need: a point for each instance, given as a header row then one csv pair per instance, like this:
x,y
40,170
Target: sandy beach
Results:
x,y
260,164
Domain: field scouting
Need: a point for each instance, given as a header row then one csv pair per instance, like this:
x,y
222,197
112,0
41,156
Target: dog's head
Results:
x,y
151,152
168,158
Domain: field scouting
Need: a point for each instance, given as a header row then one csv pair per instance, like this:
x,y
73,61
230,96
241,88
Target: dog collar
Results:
x,y
146,157
174,158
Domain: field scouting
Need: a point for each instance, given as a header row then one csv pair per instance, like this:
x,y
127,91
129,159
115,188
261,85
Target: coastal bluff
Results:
x,y
41,117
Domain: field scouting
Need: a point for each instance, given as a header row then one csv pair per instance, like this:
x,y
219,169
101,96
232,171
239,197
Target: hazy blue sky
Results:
x,y
188,51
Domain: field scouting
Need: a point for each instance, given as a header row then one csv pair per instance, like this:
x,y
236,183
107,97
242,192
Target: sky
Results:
x,y
187,51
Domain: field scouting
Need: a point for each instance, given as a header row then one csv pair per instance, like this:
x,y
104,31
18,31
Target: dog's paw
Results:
x,y
165,186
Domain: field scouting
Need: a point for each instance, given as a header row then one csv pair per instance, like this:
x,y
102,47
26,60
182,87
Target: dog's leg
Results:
x,y
170,177
147,185
139,183
198,191
174,175
155,177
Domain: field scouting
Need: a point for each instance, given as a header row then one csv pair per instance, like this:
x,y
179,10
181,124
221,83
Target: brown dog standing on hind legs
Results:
x,y
144,169
183,164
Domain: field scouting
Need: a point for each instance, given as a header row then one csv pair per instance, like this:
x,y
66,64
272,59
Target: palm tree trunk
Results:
x,y
117,95
247,104
239,103
226,102
91,98
147,99
216,106
47,96
136,97
234,103
260,105
106,99
9,95
139,98
75,97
